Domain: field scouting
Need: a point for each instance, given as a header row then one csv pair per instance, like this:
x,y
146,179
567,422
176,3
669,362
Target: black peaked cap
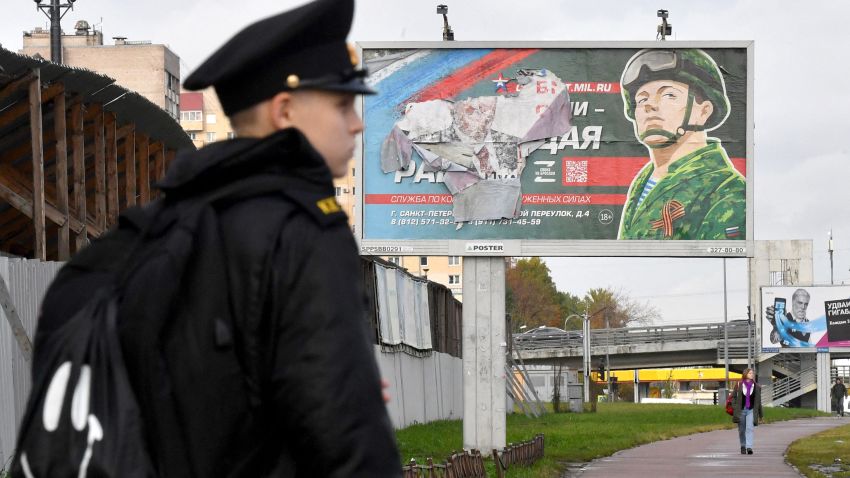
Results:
x,y
303,48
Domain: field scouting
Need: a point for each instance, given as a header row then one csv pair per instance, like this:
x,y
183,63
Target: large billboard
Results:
x,y
557,149
805,317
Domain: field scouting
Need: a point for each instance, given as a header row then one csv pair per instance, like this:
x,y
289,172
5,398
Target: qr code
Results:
x,y
575,171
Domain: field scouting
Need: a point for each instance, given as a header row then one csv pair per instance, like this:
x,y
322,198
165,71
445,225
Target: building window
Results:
x,y
193,136
338,191
454,260
353,191
210,136
231,135
454,278
353,172
190,116
423,260
395,260
211,119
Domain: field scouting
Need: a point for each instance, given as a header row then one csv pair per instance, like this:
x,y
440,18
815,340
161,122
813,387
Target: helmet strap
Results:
x,y
672,138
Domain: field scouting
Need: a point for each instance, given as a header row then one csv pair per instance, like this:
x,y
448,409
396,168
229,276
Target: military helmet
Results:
x,y
692,67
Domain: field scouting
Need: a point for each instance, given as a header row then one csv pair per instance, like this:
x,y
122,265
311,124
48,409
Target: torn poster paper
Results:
x,y
480,144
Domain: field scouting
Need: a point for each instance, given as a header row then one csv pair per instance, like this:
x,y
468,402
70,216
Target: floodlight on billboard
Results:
x,y
595,149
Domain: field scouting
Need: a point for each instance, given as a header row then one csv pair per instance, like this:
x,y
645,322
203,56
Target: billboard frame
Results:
x,y
566,247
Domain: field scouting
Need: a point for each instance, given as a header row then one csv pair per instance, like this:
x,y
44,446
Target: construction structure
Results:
x,y
75,150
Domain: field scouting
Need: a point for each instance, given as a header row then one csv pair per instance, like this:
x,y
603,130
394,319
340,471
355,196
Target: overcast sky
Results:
x,y
802,98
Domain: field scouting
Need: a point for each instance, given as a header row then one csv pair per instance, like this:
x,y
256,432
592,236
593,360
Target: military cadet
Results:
x,y
288,83
689,189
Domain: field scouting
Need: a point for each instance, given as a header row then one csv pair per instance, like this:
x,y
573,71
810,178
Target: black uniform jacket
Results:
x,y
307,400
299,305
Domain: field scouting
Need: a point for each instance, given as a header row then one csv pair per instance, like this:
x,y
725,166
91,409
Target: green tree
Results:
x,y
571,305
531,297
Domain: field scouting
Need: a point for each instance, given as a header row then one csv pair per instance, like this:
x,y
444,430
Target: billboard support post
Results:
x,y
484,348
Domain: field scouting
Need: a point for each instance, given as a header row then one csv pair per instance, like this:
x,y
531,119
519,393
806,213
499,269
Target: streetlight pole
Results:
x,y
725,331
607,359
831,276
586,350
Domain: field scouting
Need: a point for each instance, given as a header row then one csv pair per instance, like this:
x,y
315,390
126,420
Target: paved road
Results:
x,y
712,454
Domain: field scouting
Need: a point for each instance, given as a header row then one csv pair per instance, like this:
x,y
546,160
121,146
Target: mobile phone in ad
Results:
x,y
778,308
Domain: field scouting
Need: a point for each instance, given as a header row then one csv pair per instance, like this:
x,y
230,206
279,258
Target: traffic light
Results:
x,y
602,368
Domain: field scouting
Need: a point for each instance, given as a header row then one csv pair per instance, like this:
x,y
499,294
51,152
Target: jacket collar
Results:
x,y
286,152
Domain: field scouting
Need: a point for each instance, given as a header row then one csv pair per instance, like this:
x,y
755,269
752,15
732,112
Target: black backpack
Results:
x,y
82,417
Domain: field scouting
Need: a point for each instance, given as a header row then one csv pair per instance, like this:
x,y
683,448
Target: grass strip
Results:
x,y
581,437
822,449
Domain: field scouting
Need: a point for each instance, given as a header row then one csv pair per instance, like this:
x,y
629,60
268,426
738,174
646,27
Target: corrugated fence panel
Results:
x,y
27,281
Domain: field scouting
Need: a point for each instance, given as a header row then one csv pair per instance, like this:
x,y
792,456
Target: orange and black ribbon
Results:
x,y
672,210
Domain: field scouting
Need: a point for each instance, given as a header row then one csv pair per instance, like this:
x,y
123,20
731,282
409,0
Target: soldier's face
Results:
x,y
660,105
799,305
330,123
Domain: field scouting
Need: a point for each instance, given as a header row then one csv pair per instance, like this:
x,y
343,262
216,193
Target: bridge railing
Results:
x,y
631,336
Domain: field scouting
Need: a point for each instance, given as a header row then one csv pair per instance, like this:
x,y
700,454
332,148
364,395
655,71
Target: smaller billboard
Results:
x,y
805,317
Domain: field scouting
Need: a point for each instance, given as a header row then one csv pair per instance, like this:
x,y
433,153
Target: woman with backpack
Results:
x,y
746,409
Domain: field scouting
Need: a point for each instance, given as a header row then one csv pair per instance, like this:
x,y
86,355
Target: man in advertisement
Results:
x,y
799,307
689,189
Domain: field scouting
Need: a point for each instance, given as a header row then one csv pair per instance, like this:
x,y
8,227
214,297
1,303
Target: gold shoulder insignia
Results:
x,y
328,205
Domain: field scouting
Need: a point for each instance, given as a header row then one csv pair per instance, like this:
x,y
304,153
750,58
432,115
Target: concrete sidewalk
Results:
x,y
712,454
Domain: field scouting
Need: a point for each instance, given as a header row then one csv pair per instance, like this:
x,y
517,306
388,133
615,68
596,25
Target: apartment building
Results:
x,y
203,118
149,69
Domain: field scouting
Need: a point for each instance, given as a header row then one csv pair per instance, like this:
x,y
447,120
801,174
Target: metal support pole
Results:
x,y
586,353
725,330
749,341
54,12
607,359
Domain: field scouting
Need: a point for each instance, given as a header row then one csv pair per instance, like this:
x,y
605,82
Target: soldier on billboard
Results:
x,y
689,189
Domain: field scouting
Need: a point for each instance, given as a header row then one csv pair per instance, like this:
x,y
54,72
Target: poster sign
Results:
x,y
805,317
617,149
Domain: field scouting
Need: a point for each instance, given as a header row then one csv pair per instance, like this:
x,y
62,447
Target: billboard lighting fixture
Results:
x,y
448,34
665,29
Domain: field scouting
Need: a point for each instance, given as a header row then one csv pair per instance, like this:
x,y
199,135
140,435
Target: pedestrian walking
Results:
x,y
746,409
839,391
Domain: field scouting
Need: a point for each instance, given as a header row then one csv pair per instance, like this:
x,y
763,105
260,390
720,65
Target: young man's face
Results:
x,y
660,105
330,123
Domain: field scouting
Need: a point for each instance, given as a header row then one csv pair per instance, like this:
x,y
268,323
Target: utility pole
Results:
x,y
55,11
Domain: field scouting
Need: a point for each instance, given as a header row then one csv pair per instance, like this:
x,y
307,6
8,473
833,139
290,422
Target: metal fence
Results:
x,y
27,281
471,464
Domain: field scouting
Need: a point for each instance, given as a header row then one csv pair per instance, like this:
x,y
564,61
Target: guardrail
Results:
x,y
632,336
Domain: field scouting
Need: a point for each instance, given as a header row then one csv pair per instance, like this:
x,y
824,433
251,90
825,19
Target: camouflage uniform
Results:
x,y
701,197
